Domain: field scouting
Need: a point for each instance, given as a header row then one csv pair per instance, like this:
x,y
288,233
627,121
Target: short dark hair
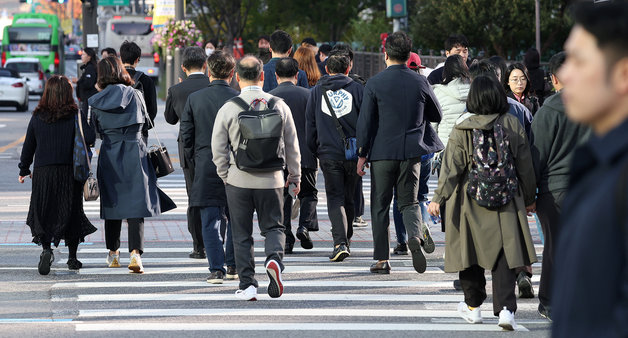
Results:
x,y
487,96
286,67
524,70
220,64
338,63
264,37
456,40
500,64
342,48
56,102
606,21
249,68
110,51
455,68
129,52
482,67
398,46
309,41
93,58
324,48
556,61
280,42
193,58
111,72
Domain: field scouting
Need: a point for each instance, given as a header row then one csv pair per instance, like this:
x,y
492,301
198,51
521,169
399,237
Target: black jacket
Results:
x,y
150,93
322,136
296,98
594,239
398,105
436,76
175,103
86,85
197,123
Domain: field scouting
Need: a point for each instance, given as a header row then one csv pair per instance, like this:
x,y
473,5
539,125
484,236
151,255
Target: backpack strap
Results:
x,y
240,102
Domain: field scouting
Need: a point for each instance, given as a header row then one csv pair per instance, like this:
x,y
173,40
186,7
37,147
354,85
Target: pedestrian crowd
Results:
x,y
501,143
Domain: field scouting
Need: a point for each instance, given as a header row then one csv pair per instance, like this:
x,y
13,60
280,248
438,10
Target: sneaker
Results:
x,y
113,261
401,249
428,242
249,293
418,259
472,316
525,285
340,253
45,261
74,264
507,320
545,312
136,264
216,277
358,222
232,273
275,286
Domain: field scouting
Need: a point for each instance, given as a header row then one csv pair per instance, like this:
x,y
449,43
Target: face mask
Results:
x,y
209,51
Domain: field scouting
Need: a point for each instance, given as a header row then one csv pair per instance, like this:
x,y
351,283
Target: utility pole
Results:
x,y
538,24
90,26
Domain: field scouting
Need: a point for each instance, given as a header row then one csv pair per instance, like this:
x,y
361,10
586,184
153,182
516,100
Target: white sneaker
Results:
x,y
113,261
472,316
249,293
136,264
507,320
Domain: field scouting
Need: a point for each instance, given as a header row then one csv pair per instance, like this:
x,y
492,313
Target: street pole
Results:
x,y
396,25
90,16
538,25
179,15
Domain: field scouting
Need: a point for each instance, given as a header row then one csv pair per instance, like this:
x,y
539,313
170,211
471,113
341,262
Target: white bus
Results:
x,y
138,29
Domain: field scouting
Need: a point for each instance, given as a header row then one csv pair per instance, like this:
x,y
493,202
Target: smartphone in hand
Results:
x,y
291,188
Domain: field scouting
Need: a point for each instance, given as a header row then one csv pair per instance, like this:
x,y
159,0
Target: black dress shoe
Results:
x,y
304,236
381,267
45,261
198,255
401,249
288,248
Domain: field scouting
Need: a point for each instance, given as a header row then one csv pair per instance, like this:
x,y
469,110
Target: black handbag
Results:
x,y
157,153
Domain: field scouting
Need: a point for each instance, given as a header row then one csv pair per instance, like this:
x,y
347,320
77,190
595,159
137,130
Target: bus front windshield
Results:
x,y
29,40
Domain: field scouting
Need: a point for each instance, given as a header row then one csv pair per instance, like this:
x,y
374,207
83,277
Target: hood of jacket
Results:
x,y
555,102
334,82
114,99
455,89
475,121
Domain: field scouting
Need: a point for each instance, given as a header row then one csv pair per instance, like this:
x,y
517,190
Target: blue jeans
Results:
x,y
211,218
424,176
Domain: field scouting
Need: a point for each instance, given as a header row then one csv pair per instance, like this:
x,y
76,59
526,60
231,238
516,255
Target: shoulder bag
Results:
x,y
90,188
350,143
157,153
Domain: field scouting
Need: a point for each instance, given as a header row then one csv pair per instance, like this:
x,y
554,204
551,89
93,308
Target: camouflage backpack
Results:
x,y
492,178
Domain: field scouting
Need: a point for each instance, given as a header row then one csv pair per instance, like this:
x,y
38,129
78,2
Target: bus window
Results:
x,y
131,28
29,34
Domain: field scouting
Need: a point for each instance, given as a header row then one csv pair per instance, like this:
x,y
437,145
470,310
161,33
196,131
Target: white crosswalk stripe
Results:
x,y
345,296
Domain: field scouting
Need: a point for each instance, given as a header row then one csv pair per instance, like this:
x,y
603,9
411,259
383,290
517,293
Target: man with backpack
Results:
x,y
130,54
331,117
253,140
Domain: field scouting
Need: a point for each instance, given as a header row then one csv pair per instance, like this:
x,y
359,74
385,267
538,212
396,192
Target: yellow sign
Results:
x,y
163,11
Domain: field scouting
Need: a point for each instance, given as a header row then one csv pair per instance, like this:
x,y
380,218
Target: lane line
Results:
x,y
13,144
300,297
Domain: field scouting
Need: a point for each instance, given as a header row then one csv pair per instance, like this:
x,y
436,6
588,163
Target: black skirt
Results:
x,y
56,206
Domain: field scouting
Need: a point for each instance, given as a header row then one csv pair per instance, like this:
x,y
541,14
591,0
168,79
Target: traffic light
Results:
x,y
396,8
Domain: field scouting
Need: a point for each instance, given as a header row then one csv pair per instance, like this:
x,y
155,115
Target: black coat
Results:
x,y
436,76
197,123
150,93
175,103
296,98
86,85
398,104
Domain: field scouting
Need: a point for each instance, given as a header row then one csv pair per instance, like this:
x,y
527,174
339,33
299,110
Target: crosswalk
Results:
x,y
319,297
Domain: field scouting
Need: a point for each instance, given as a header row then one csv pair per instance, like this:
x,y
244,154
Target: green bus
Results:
x,y
35,35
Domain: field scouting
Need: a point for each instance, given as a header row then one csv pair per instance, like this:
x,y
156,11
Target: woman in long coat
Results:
x,y
127,181
478,238
56,206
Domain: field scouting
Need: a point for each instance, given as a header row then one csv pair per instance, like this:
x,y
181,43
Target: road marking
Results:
x,y
13,144
2,125
34,320
187,250
351,327
300,297
184,260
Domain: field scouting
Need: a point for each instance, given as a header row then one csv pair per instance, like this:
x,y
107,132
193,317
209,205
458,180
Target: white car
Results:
x,y
13,90
32,70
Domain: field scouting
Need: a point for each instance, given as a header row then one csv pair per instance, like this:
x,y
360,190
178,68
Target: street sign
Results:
x,y
92,40
163,11
396,8
113,2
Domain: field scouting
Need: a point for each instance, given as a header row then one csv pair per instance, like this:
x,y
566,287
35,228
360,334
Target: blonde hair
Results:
x,y
307,63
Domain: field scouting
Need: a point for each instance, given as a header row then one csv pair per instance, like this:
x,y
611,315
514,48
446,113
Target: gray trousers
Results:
x,y
385,175
268,203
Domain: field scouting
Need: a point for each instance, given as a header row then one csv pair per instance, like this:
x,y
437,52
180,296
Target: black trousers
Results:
x,y
548,211
268,203
385,175
474,285
136,234
308,197
195,227
358,198
340,180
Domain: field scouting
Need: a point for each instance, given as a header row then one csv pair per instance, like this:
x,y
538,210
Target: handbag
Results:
x,y
350,143
157,153
90,188
79,156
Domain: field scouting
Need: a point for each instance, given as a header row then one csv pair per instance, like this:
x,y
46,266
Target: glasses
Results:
x,y
517,80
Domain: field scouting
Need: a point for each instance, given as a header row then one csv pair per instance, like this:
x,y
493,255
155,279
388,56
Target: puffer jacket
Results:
x,y
453,102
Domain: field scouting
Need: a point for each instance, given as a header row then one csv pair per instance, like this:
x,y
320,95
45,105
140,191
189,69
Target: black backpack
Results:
x,y
261,147
492,179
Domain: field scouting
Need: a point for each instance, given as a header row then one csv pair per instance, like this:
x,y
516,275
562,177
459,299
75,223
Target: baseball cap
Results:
x,y
414,62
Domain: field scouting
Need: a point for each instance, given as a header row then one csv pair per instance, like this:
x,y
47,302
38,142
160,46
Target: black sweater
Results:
x,y
50,143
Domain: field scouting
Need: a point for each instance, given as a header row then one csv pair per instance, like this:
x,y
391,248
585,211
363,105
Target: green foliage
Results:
x,y
366,33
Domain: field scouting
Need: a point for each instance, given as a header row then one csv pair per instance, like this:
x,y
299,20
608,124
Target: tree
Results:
x,y
223,18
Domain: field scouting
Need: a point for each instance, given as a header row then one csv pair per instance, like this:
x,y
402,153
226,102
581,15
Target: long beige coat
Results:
x,y
474,234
